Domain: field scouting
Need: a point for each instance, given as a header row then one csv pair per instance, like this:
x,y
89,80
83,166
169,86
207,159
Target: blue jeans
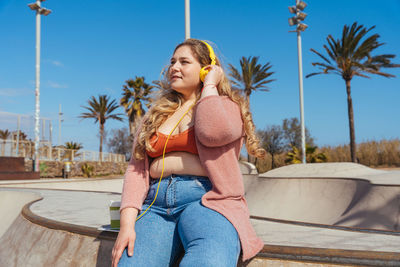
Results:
x,y
178,223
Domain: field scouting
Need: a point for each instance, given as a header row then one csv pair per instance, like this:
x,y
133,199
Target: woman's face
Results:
x,y
184,71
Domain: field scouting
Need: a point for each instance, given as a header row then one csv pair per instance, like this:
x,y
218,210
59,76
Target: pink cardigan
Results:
x,y
219,137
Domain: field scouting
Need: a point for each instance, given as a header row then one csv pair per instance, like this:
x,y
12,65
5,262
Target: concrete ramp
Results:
x,y
336,194
30,244
344,202
11,203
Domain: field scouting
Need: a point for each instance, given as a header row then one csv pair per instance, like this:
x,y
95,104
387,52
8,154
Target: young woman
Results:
x,y
200,210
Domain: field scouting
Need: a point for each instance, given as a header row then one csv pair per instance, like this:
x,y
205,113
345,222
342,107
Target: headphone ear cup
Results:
x,y
203,74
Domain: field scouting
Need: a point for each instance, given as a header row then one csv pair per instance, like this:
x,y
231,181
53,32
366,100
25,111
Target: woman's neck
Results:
x,y
188,100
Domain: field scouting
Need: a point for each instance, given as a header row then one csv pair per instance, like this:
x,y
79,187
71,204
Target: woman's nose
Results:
x,y
175,66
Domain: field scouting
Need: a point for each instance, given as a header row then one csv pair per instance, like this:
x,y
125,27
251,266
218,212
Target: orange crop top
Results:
x,y
183,141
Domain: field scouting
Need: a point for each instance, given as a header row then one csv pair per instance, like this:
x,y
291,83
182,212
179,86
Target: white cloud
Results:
x,y
55,62
11,92
56,85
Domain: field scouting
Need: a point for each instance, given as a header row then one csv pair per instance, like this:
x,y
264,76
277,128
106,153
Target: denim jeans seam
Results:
x,y
174,194
166,197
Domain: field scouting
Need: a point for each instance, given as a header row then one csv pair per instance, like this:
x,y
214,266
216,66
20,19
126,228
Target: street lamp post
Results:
x,y
297,20
187,19
39,11
60,120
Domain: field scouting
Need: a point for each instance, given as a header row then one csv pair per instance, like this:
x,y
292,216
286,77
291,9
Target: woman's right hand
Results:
x,y
126,238
214,75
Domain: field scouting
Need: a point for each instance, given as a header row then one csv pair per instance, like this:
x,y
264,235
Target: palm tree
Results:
x,y
4,135
253,76
101,110
349,57
72,147
135,92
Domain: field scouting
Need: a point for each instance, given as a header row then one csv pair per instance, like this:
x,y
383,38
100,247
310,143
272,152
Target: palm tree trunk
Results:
x,y
351,122
101,141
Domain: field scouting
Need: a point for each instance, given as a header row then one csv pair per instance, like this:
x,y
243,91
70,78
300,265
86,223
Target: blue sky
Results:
x,y
91,47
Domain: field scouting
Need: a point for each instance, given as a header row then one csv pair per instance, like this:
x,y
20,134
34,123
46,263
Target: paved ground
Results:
x,y
90,184
75,207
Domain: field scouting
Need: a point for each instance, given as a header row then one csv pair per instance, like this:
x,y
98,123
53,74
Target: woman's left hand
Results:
x,y
214,75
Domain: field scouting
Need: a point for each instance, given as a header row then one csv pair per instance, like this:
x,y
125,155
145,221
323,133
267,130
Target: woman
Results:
x,y
200,208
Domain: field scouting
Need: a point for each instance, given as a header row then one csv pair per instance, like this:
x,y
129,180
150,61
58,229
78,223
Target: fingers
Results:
x,y
116,254
209,67
131,245
213,67
214,75
120,246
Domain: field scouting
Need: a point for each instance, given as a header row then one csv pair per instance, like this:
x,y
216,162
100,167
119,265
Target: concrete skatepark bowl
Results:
x,y
330,214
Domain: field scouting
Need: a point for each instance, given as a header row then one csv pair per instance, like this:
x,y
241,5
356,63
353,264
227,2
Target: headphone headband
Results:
x,y
212,54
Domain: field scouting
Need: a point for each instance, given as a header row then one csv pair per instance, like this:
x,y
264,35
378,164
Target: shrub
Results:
x,y
87,170
43,169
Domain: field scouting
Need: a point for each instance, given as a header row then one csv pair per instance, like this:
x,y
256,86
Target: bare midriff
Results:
x,y
177,163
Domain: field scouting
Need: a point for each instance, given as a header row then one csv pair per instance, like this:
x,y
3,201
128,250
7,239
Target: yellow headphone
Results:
x,y
203,71
203,74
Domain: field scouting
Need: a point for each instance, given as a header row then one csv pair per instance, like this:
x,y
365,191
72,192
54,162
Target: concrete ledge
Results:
x,y
12,163
247,168
19,175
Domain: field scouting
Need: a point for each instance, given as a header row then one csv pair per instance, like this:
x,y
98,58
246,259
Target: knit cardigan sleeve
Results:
x,y
218,121
136,181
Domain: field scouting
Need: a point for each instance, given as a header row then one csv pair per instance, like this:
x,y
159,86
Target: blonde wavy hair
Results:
x,y
169,100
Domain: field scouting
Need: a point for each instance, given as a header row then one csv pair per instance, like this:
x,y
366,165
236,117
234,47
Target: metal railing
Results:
x,y
25,148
